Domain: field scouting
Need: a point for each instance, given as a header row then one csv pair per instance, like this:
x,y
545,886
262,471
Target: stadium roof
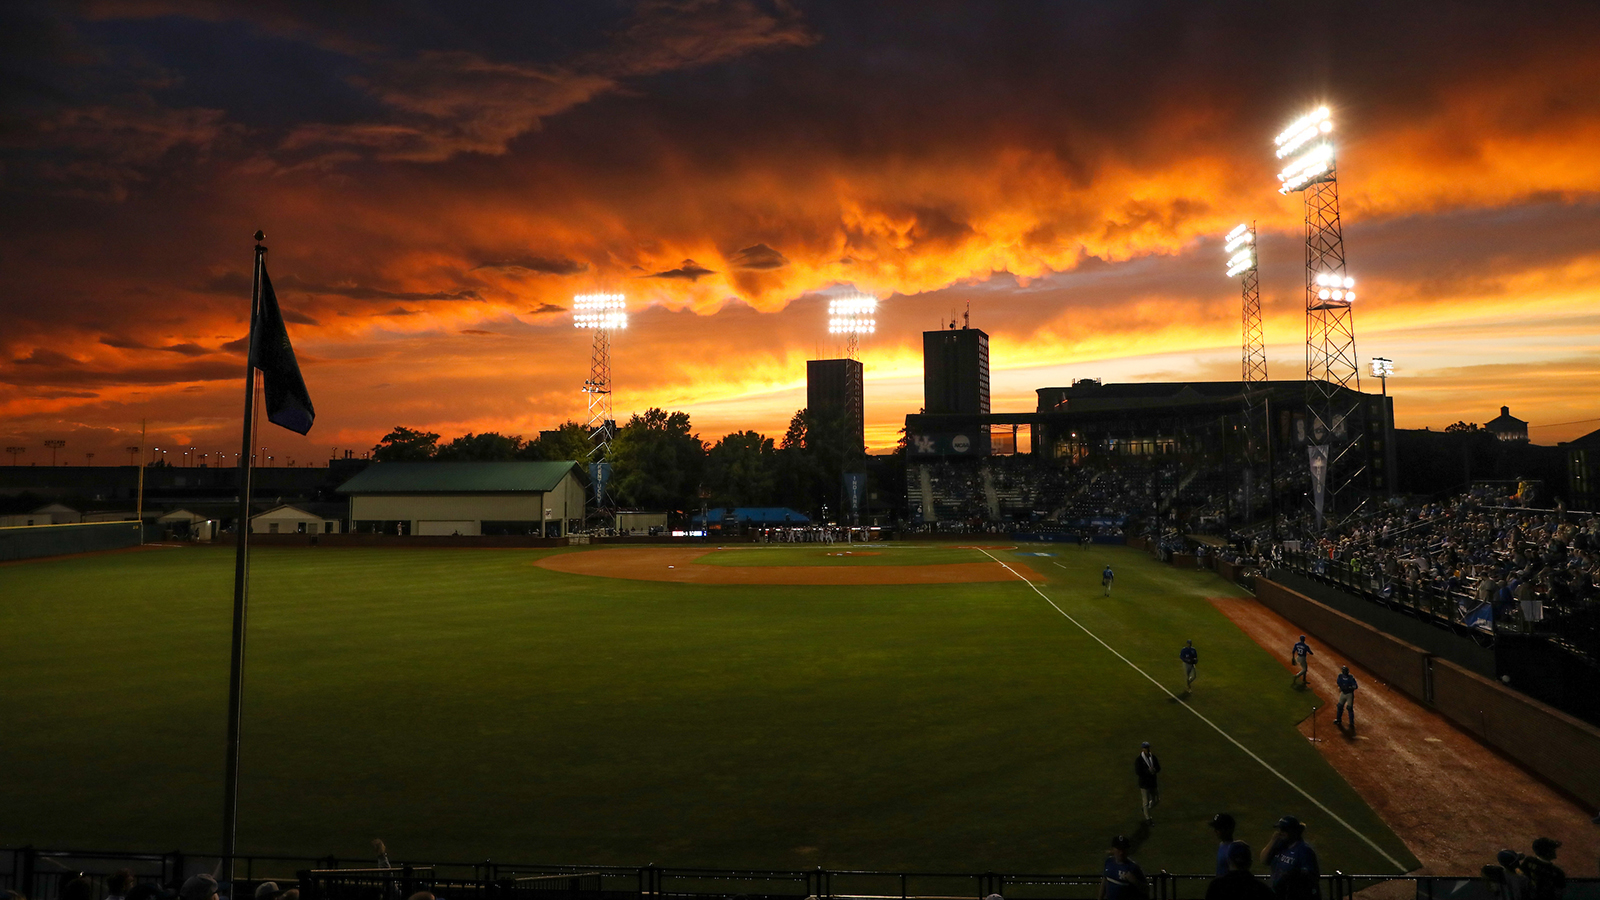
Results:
x,y
458,477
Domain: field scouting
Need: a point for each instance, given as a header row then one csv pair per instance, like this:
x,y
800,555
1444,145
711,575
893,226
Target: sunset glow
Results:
x,y
437,190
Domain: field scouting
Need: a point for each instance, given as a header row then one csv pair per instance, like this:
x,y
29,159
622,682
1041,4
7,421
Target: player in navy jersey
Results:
x,y
1191,658
1347,696
1106,578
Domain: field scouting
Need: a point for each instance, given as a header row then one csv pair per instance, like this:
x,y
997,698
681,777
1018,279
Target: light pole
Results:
x,y
54,446
15,452
1381,370
89,457
133,454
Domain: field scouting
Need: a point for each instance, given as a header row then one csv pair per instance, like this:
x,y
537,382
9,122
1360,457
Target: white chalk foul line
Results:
x,y
1199,715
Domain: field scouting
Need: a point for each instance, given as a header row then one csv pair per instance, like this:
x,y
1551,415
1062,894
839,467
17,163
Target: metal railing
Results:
x,y
39,874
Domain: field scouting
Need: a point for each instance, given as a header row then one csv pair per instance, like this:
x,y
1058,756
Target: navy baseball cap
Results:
x,y
1239,854
1286,823
1121,842
1145,745
1222,822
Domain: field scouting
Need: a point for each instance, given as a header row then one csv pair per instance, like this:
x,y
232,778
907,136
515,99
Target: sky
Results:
x,y
438,180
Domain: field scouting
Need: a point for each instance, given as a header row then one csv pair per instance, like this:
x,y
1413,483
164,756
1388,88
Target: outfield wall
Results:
x,y
398,540
1559,747
1554,745
34,541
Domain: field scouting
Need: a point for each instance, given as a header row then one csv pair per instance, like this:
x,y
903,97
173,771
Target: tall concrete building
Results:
x,y
955,372
834,394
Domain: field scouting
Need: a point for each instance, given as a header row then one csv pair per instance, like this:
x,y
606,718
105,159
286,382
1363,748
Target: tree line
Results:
x,y
658,462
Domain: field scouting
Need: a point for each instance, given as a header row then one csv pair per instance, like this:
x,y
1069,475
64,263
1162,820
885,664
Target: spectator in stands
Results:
x,y
1222,826
421,895
1237,883
144,891
1122,879
1546,880
199,887
118,884
1296,873
266,890
79,888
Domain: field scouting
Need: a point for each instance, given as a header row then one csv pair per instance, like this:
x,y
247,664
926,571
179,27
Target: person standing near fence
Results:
x,y
1347,696
1106,578
1191,658
1146,767
1546,880
1296,872
1300,654
1236,883
1123,878
1222,826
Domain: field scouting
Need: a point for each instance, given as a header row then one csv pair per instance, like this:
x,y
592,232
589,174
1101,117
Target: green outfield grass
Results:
x,y
466,704
840,554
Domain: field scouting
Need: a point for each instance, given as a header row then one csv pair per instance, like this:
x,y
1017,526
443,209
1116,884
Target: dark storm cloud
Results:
x,y
55,370
759,257
688,271
545,308
538,265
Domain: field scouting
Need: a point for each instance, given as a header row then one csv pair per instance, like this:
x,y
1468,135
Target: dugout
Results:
x,y
467,498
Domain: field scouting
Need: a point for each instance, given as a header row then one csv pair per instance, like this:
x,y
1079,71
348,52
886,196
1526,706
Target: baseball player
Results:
x,y
1347,696
1300,654
1106,578
1191,658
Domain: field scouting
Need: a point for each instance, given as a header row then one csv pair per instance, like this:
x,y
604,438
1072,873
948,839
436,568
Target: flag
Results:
x,y
288,402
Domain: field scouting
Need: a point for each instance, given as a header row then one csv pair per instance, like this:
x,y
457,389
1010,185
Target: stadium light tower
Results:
x,y
1333,375
1240,245
600,314
853,316
54,445
15,452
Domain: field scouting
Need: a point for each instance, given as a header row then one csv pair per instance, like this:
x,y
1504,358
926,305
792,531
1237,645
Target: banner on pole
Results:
x,y
855,490
1318,459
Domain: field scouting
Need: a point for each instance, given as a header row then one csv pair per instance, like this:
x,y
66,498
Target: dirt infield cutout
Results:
x,y
679,564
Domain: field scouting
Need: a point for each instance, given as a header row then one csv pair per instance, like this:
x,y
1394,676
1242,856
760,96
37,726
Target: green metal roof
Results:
x,y
458,477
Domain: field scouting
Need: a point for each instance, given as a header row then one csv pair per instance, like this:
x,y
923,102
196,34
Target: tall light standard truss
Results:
x,y
1333,373
600,314
1240,245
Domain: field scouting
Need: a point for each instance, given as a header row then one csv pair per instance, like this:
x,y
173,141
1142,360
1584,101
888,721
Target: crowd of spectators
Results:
x,y
1474,558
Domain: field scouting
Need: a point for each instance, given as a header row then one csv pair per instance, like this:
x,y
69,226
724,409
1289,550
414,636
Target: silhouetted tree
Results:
x,y
487,447
742,470
656,462
405,445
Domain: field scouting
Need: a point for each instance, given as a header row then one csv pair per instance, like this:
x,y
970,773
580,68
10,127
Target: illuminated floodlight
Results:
x,y
1308,137
1241,243
600,312
854,314
1331,286
1306,128
1382,368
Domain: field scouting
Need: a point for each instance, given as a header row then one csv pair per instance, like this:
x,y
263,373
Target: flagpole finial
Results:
x,y
260,235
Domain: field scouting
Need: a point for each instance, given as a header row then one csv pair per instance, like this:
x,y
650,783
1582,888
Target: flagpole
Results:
x,y
241,582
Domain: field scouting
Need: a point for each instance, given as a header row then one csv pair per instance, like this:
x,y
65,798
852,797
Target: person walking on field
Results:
x,y
1123,878
1191,658
1106,578
1300,654
1146,767
1347,696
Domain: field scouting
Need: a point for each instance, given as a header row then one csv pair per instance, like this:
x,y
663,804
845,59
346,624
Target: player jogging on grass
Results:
x,y
1106,578
1347,696
1191,658
1300,654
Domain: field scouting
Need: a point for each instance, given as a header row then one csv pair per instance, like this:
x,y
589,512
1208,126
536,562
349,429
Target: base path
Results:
x,y
1451,799
679,564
